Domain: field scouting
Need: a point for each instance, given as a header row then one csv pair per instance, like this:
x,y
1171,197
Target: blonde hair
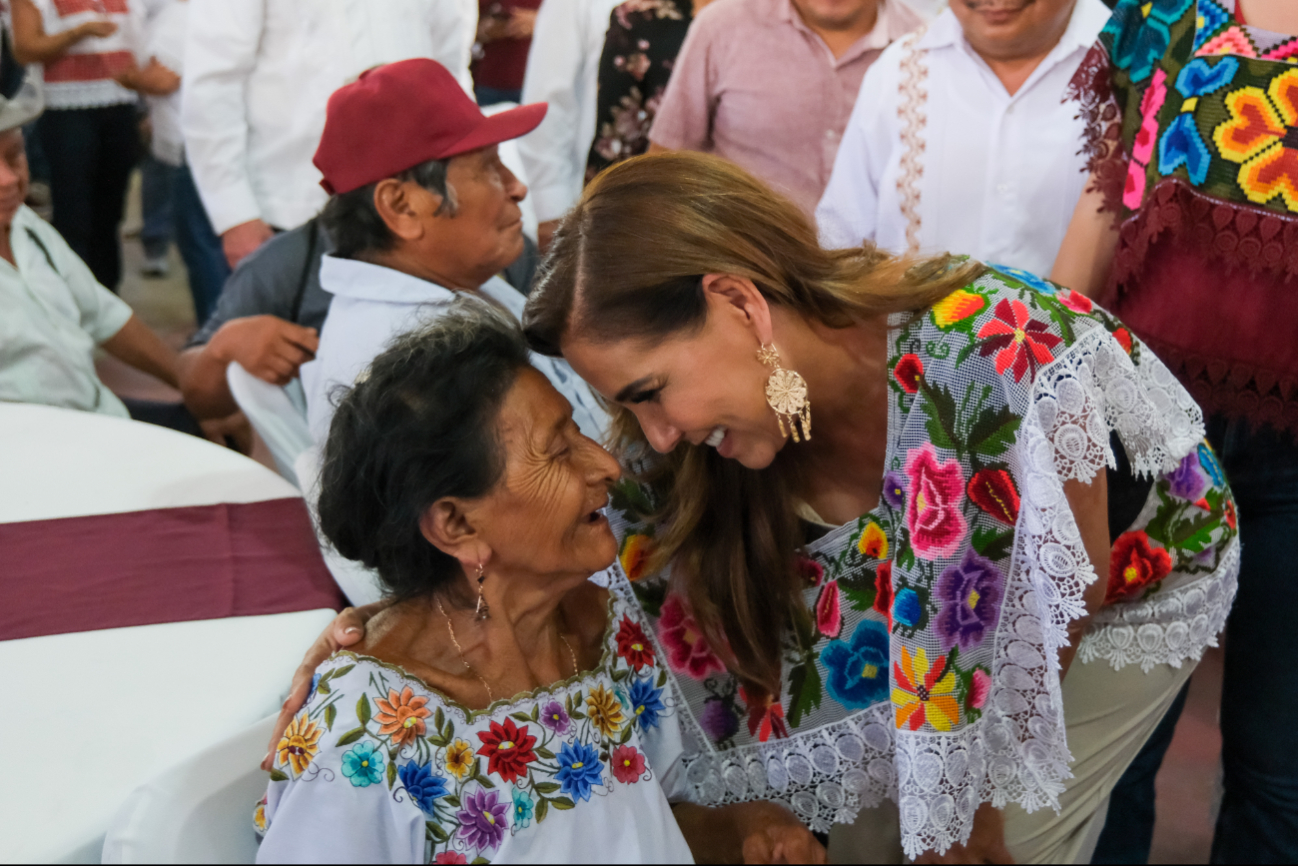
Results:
x,y
627,262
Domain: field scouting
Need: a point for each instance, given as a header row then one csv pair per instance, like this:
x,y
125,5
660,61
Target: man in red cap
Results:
x,y
421,209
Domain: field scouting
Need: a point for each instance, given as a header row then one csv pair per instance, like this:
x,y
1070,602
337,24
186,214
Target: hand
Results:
x,y
520,24
267,346
491,28
346,630
153,80
100,29
545,233
772,834
986,843
243,239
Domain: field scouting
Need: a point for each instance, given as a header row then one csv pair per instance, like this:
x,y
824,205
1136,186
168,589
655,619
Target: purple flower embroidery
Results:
x,y
970,594
894,489
555,717
719,722
482,820
1188,481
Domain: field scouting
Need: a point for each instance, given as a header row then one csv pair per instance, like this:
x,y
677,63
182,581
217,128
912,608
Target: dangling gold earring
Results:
x,y
483,610
786,392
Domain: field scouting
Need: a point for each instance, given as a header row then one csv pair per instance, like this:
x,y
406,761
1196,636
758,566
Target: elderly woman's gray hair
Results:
x,y
420,426
354,224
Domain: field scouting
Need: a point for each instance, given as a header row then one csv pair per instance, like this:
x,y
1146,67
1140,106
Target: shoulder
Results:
x,y
720,18
279,261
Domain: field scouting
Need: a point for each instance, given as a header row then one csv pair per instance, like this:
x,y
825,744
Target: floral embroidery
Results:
x,y
858,669
829,614
1181,143
1188,481
970,593
924,693
765,716
482,820
979,687
555,717
813,572
628,764
688,650
402,716
636,551
605,711
993,491
450,857
873,543
633,645
955,308
719,721
933,512
883,591
459,759
524,808
259,816
1142,150
646,703
1020,342
894,489
425,788
908,372
1259,136
1134,566
579,770
907,609
363,765
508,749
300,743
1142,33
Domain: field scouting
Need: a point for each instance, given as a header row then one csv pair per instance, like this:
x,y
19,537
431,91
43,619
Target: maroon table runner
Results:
x,y
168,565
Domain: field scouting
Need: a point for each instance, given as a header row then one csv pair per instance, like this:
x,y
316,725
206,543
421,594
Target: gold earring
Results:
x,y
786,392
483,610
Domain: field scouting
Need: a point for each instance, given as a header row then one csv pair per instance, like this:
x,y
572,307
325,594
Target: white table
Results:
x,y
87,717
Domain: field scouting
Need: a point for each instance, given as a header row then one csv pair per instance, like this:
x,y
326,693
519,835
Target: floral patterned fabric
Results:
x,y
378,767
927,670
1192,118
644,37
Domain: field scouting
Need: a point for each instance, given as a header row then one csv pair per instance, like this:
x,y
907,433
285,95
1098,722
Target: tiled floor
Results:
x,y
1183,833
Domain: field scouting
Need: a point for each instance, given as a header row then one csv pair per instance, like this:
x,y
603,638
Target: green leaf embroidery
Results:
x,y
546,787
322,688
452,800
277,776
563,803
940,409
342,671
363,710
329,715
392,774
438,719
805,692
536,712
436,833
484,781
351,736
992,543
994,431
542,809
521,716
544,754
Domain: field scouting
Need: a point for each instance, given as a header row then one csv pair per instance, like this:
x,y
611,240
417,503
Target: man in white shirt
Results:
x,y
422,211
562,71
967,141
257,76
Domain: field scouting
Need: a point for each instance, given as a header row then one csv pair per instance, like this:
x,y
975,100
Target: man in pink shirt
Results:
x,y
770,84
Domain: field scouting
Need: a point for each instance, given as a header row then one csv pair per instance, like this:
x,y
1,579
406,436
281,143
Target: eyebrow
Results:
x,y
626,393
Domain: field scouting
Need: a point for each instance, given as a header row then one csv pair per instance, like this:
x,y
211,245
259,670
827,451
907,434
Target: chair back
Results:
x,y
199,811
360,584
277,414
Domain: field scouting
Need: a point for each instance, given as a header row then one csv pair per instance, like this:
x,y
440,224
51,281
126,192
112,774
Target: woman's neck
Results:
x,y
1275,16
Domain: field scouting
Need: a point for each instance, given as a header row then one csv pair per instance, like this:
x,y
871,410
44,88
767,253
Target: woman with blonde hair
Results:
x,y
873,528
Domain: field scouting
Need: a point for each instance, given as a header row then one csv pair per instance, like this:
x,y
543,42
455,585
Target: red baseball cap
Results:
x,y
397,116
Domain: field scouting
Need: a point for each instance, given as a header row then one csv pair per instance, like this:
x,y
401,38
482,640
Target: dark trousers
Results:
x,y
1258,822
173,416
199,245
91,152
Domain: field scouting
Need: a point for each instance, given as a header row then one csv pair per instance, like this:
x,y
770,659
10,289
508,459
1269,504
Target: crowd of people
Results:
x,y
889,407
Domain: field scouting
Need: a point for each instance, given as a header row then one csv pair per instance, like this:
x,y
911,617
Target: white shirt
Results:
x,y
373,304
53,318
82,77
563,70
258,74
166,29
999,175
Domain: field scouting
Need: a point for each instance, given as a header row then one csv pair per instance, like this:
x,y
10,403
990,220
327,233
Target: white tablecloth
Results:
x,y
85,718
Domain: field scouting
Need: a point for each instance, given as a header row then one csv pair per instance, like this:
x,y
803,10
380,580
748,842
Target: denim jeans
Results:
x,y
91,152
155,203
1258,822
199,245
493,95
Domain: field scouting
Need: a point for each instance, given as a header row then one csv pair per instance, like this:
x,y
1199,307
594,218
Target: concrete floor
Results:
x,y
1183,833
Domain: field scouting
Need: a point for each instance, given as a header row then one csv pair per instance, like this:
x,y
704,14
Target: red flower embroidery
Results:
x,y
829,615
633,645
1123,336
883,591
993,491
508,749
1231,520
812,572
687,649
628,764
1019,341
1076,301
1134,566
908,372
933,513
765,716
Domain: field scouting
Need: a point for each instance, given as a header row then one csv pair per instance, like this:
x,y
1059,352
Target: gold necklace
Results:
x,y
459,649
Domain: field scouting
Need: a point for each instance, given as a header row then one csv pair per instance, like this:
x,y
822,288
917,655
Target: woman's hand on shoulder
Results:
x,y
347,629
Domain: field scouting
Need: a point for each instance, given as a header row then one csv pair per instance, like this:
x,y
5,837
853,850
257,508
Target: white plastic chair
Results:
x,y
509,156
277,414
360,584
200,811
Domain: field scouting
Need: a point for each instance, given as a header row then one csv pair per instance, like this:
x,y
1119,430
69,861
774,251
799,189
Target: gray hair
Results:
x,y
354,224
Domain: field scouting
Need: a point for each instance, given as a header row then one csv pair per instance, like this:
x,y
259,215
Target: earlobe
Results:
x,y
741,296
445,526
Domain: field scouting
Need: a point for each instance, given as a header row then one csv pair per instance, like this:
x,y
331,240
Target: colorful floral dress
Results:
x,y
926,670
380,768
644,37
1192,117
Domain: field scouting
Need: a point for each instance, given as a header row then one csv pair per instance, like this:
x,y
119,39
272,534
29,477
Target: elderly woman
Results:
x,y
878,529
502,706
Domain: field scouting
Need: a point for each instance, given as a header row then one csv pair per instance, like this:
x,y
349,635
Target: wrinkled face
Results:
x,y
543,516
1011,29
486,233
705,387
834,14
14,177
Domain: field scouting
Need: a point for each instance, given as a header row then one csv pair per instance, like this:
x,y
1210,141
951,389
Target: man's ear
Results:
x,y
447,526
738,297
395,204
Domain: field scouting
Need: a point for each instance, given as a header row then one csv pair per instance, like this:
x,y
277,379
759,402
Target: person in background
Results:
x,y
89,131
640,48
769,84
160,81
500,54
562,71
422,210
257,76
963,137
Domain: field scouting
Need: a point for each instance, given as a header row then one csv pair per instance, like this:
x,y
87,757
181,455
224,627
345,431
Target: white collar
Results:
x,y
349,278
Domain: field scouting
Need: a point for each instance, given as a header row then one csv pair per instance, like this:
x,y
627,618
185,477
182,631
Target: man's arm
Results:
x,y
268,347
684,118
220,56
33,45
137,345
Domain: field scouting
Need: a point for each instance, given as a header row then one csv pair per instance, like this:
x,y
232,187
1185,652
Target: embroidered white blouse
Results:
x,y
380,768
936,146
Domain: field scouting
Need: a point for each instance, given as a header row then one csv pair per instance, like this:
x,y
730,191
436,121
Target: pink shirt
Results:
x,y
754,84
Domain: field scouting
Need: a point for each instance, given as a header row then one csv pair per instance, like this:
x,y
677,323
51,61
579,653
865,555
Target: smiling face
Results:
x,y
704,386
1012,29
542,517
14,176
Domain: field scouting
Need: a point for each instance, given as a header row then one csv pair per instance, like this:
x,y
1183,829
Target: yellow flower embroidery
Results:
x,y
873,544
299,745
459,759
956,307
923,693
605,711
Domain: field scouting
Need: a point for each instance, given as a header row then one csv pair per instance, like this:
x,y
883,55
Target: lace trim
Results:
x,y
914,97
1169,628
86,94
1092,89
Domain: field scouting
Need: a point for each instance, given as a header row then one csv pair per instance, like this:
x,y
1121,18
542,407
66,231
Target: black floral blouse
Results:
x,y
644,37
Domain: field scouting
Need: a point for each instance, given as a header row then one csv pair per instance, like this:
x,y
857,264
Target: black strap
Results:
x,y
311,243
36,239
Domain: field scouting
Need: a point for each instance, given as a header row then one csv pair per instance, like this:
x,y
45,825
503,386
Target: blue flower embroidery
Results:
x,y
363,765
1181,144
906,608
1032,281
1208,461
858,669
424,788
1211,16
579,770
1141,34
646,703
523,809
